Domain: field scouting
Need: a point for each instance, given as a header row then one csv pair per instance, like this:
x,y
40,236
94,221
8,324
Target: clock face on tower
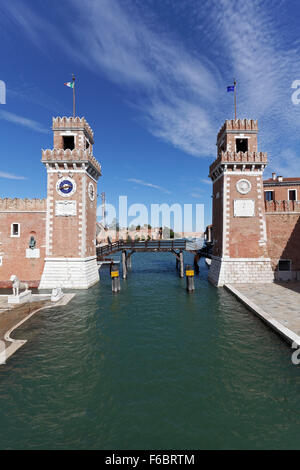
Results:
x,y
243,186
91,191
66,187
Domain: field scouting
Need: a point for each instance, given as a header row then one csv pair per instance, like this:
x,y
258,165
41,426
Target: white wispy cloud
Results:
x,y
253,40
22,121
196,194
173,88
179,91
177,87
205,181
11,176
149,185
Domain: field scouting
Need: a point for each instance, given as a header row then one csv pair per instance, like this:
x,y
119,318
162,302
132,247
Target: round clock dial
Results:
x,y
66,187
91,191
243,186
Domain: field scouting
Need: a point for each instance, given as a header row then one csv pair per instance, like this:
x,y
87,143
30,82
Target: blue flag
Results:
x,y
230,88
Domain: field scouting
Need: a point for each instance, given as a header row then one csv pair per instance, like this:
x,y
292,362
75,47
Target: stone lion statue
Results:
x,y
17,285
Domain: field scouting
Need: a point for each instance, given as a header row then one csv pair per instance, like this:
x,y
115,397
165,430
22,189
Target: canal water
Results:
x,y
150,368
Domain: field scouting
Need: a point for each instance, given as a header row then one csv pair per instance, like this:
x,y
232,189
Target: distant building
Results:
x,y
282,205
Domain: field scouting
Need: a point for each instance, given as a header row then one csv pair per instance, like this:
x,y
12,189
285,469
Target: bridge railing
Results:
x,y
150,245
155,244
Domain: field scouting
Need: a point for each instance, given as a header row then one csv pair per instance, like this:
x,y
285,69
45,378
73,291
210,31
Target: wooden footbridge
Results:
x,y
176,247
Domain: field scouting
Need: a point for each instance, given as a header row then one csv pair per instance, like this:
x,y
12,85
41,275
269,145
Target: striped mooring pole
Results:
x,y
190,283
115,280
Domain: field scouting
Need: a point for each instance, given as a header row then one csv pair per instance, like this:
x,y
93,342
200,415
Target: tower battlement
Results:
x,y
256,159
238,125
71,123
75,156
22,205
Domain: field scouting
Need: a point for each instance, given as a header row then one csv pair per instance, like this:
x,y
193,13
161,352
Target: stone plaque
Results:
x,y
244,208
65,208
35,253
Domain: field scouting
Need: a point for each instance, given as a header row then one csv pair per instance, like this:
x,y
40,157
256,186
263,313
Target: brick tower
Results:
x,y
239,223
72,173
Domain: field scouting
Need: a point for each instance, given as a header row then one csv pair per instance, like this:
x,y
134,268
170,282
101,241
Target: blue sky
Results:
x,y
151,81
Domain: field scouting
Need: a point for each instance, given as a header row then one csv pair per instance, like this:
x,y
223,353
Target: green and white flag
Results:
x,y
70,84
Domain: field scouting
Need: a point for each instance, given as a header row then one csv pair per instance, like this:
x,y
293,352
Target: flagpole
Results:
x,y
234,99
73,96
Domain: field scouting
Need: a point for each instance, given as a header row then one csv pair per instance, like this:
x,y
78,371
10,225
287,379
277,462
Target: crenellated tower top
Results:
x,y
73,141
237,126
237,147
73,127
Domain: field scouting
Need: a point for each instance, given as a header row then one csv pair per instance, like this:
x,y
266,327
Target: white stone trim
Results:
x,y
84,208
237,172
89,258
18,212
48,228
240,259
292,189
52,170
285,212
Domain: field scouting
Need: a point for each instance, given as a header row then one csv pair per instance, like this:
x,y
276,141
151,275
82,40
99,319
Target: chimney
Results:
x,y
280,179
273,176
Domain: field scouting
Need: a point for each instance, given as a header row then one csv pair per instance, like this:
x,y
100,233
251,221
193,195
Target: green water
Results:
x,y
150,368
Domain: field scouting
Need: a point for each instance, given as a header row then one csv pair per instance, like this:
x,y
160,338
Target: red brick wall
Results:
x,y
65,230
245,232
230,141
281,192
13,249
91,219
217,216
284,238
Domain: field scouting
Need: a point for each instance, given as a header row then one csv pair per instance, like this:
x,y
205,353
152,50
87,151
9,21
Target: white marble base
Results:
x,y
70,273
22,298
240,271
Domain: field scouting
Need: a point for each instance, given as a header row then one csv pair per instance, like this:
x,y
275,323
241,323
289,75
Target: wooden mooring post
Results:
x,y
124,264
181,267
179,261
190,282
129,260
196,261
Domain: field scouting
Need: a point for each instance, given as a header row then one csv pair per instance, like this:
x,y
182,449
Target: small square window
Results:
x,y
15,230
292,195
242,145
69,142
284,265
269,195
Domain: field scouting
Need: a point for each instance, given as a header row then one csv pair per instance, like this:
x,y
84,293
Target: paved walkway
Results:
x,y
277,304
13,316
